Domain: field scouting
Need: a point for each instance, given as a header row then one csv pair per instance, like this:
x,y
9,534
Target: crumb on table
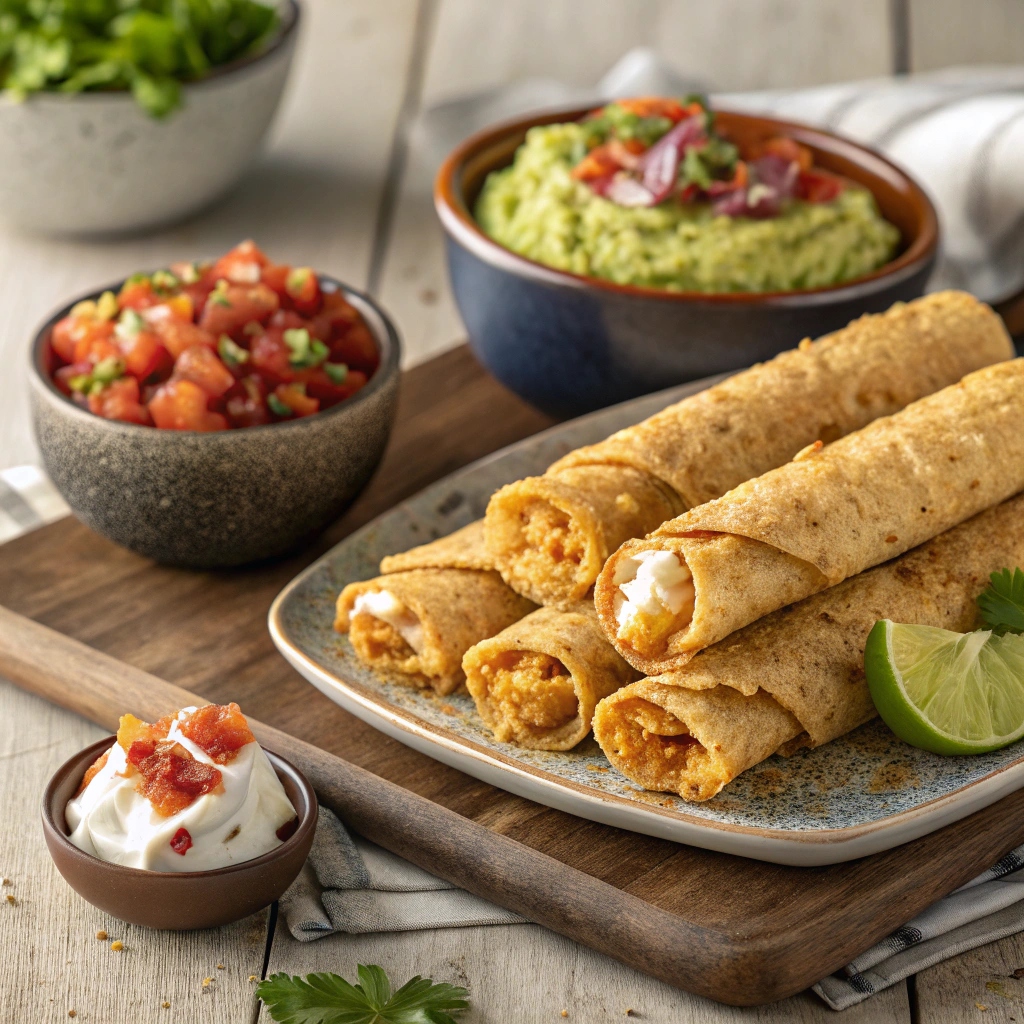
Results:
x,y
101,935
117,945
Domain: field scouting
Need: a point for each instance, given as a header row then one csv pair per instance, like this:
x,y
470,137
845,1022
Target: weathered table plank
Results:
x,y
526,974
53,963
312,198
977,985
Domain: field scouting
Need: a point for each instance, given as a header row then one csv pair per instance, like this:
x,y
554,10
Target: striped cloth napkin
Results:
x,y
350,885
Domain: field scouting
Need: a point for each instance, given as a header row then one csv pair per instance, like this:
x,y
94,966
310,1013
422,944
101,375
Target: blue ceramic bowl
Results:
x,y
570,344
204,500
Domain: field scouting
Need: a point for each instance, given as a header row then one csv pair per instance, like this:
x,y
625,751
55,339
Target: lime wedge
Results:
x,y
951,693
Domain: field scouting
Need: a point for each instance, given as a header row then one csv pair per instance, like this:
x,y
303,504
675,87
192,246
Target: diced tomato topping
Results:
x,y
181,841
356,348
229,309
96,342
789,150
137,294
92,771
598,163
171,778
818,186
62,339
303,288
144,354
294,396
275,276
656,106
271,356
119,400
183,405
246,404
243,265
204,346
200,365
218,729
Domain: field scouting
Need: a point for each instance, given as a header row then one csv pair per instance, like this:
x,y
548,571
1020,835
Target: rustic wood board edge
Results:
x,y
762,965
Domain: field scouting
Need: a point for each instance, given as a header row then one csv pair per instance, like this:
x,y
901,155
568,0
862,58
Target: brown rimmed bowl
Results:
x,y
169,900
207,500
569,344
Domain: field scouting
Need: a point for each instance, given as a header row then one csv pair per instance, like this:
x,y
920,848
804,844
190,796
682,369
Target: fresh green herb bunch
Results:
x,y
147,46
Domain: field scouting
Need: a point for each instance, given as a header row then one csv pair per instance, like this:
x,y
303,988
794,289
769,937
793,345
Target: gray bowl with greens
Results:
x,y
139,117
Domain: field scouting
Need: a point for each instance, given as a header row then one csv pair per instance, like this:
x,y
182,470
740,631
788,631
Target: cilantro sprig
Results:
x,y
1002,602
330,999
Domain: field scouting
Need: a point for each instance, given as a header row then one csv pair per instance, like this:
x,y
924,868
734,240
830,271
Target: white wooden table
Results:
x,y
344,186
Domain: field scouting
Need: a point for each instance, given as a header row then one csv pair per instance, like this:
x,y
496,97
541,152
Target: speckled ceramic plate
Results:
x,y
858,795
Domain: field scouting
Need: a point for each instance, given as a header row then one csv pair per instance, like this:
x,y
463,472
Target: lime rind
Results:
x,y
951,693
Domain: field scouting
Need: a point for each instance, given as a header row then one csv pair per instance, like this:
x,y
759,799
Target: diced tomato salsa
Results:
x,y
239,342
168,775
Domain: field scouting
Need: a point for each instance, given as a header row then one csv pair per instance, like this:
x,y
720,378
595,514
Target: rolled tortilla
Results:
x,y
827,515
537,682
796,677
549,535
428,608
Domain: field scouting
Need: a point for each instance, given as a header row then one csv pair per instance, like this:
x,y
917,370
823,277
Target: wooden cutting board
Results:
x,y
739,931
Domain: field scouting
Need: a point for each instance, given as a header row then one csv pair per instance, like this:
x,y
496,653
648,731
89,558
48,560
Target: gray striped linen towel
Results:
x,y
348,884
351,885
959,131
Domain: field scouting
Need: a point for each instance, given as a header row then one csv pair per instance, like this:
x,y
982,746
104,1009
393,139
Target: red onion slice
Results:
x,y
659,166
777,173
628,191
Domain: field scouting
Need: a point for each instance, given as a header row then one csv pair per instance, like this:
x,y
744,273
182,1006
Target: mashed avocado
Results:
x,y
535,208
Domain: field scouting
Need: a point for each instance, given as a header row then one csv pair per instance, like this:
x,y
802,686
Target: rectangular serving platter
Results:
x,y
859,795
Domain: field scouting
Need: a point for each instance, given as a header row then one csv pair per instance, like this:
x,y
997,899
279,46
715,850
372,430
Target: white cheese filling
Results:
x,y
383,605
233,823
651,583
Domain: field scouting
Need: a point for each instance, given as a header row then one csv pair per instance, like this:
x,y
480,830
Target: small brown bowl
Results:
x,y
176,901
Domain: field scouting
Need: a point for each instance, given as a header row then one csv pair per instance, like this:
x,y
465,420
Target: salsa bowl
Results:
x,y
570,344
177,900
205,500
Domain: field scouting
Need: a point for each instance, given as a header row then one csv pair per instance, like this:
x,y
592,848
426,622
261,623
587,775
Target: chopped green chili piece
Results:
x,y
306,351
164,281
219,296
338,372
232,354
107,370
82,382
276,406
130,325
297,279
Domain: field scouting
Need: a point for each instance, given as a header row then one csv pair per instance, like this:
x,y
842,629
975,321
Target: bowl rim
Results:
x,y
291,14
459,222
87,755
383,332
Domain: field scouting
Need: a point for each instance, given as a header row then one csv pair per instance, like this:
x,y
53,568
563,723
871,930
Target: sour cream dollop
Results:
x,y
235,822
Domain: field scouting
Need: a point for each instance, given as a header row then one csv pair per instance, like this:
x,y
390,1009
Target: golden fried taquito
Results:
x,y
796,677
550,535
537,682
429,607
829,514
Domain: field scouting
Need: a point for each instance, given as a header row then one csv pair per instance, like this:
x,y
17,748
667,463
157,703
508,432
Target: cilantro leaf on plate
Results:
x,y
330,999
1002,602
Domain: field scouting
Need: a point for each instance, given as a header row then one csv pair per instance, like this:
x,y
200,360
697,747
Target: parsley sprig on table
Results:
x,y
1002,602
330,999
147,46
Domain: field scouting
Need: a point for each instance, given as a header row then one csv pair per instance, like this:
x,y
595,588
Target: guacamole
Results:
x,y
539,208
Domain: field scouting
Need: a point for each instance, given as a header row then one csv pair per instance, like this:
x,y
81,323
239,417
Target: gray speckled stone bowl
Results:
x,y
96,163
219,499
